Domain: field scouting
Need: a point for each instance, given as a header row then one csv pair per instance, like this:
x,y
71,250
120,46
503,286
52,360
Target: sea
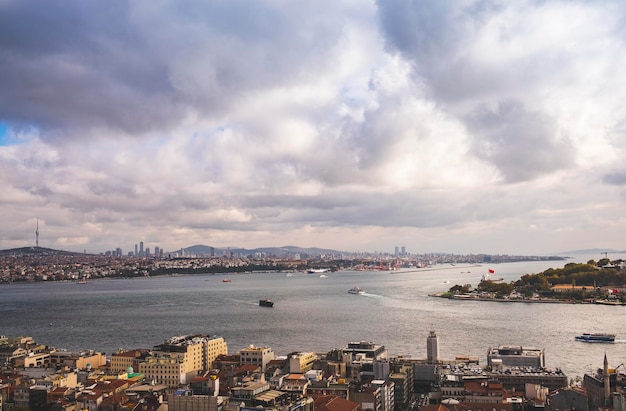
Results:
x,y
315,312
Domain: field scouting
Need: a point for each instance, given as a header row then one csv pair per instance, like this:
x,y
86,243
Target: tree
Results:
x,y
460,289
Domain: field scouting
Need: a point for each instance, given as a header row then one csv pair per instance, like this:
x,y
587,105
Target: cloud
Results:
x,y
139,67
554,67
460,126
615,179
522,144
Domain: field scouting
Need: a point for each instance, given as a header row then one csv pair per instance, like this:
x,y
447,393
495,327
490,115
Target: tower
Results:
x,y
432,348
37,234
607,382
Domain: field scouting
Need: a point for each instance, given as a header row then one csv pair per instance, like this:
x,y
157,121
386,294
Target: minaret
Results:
x,y
607,382
432,348
37,234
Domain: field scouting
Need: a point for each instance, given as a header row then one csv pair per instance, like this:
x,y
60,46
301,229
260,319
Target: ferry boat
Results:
x,y
317,270
596,337
356,290
266,303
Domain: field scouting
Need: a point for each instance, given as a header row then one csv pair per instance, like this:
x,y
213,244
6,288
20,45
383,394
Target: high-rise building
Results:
x,y
141,248
136,251
432,348
396,251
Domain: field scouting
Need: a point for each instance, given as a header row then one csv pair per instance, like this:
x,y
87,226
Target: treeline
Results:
x,y
593,276
590,274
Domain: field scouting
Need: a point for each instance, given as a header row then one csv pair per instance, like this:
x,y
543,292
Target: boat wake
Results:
x,y
372,295
243,301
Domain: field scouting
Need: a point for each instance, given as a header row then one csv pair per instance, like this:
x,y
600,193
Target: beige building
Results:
x,y
33,360
256,355
121,361
301,362
82,360
171,369
10,353
179,359
186,401
215,346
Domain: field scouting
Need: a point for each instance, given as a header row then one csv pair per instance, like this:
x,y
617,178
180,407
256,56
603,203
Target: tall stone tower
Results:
x,y
432,348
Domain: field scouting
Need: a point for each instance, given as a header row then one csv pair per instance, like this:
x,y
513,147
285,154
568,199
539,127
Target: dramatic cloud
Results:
x,y
523,145
472,126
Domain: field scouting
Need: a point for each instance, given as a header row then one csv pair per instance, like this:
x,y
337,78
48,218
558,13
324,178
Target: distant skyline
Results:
x,y
463,127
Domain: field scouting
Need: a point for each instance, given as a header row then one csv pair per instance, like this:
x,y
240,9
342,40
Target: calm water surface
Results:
x,y
312,313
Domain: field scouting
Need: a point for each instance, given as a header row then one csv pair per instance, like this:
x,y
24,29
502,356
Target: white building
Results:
x,y
516,356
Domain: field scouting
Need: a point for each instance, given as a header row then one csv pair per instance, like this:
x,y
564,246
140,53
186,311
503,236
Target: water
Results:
x,y
312,314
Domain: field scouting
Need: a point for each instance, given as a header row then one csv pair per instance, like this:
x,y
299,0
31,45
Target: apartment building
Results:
x,y
364,351
121,361
369,397
179,359
214,347
260,356
301,362
79,360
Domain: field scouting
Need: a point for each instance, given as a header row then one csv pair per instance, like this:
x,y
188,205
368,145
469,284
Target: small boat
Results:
x,y
356,290
596,337
82,281
266,303
226,280
323,276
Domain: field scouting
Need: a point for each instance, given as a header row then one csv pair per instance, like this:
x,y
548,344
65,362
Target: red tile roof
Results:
x,y
334,403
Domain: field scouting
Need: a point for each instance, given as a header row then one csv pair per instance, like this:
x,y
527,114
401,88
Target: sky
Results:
x,y
461,126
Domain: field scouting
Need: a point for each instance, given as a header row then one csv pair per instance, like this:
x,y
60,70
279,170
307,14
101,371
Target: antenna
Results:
x,y
37,234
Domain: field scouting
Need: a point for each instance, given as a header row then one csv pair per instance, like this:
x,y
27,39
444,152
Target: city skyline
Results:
x,y
472,127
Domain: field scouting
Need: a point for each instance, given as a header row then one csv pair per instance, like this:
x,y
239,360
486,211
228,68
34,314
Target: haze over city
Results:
x,y
462,127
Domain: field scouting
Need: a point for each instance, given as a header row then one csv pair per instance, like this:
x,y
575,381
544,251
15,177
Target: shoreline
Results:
x,y
530,301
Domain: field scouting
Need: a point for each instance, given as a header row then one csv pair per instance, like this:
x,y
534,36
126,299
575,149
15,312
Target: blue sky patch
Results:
x,y
5,138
